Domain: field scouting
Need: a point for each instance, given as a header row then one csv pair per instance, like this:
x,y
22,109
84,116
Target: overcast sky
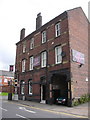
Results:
x,y
18,14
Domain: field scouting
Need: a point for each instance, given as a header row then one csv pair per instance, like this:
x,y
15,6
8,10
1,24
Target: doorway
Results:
x,y
59,86
43,94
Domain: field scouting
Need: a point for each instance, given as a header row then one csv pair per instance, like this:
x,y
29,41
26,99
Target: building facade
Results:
x,y
52,61
5,77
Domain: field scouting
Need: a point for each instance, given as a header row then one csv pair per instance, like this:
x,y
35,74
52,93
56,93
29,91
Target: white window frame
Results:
x,y
43,36
22,87
23,65
43,59
30,87
57,29
31,62
58,56
32,43
24,48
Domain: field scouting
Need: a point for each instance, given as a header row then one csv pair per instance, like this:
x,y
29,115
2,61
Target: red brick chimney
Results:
x,y
38,21
22,34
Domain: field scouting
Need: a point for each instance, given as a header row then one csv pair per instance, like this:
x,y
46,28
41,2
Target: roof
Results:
x,y
61,16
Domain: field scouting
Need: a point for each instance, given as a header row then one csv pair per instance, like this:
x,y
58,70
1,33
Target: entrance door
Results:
x,y
43,94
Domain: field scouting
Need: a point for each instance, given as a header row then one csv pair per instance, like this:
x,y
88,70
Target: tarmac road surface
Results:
x,y
29,110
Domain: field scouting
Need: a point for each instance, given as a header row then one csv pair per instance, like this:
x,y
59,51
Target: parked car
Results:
x,y
61,100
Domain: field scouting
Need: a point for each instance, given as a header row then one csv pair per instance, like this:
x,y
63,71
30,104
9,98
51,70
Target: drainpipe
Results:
x,y
69,104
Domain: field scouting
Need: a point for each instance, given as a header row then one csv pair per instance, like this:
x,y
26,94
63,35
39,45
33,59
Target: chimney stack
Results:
x,y
38,21
22,34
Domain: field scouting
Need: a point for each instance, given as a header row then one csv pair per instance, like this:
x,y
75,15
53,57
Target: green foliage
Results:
x,y
83,99
3,94
75,103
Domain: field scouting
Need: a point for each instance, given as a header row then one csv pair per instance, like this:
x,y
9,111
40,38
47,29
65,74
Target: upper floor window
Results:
x,y
32,43
43,36
57,29
43,59
24,47
58,57
31,63
30,87
23,65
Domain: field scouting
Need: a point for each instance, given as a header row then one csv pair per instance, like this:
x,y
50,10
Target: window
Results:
x,y
24,47
31,63
30,87
57,29
43,59
58,57
23,65
22,87
43,36
32,43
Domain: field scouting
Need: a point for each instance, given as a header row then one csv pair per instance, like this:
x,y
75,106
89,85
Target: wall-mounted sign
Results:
x,y
36,61
78,57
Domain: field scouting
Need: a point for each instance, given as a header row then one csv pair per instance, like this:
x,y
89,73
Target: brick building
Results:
x,y
6,76
52,61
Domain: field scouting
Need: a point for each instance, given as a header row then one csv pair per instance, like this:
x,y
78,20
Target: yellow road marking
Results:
x,y
47,110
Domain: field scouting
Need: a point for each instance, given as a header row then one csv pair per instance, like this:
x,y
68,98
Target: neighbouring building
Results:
x,y
5,78
52,61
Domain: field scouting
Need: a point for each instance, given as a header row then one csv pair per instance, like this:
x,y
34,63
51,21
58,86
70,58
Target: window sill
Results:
x,y
43,67
31,70
58,63
23,71
23,52
31,48
57,36
43,43
30,94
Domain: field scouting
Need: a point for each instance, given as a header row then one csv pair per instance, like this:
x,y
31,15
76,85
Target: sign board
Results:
x,y
36,61
78,57
15,97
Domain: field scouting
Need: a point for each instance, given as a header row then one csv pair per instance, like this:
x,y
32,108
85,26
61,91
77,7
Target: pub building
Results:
x,y
52,61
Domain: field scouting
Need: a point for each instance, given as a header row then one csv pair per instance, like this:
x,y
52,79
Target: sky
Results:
x,y
18,14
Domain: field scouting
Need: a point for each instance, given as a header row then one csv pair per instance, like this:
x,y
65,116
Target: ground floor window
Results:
x,y
22,87
30,87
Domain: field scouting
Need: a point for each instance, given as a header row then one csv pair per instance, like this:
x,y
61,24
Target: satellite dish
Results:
x,y
63,54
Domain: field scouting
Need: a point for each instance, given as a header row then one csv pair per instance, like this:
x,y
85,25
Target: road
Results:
x,y
11,109
15,110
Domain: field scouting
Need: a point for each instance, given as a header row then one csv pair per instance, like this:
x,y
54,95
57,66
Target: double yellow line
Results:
x,y
47,110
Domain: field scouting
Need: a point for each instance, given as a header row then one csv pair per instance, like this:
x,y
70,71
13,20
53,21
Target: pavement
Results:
x,y
80,110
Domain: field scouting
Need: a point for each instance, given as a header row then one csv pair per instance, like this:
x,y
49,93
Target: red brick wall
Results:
x,y
78,40
49,46
6,89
